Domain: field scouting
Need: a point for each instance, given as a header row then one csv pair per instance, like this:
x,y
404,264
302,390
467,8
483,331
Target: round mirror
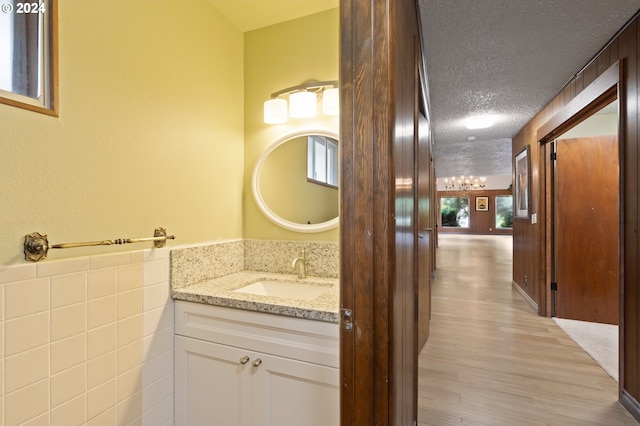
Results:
x,y
295,181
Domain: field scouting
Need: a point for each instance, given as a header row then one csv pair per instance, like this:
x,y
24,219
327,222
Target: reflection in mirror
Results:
x,y
28,55
283,189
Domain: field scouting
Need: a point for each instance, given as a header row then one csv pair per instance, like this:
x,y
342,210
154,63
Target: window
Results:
x,y
322,160
504,212
454,212
28,54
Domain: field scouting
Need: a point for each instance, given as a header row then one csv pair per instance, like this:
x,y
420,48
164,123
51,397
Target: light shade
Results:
x,y
275,111
302,104
331,101
480,122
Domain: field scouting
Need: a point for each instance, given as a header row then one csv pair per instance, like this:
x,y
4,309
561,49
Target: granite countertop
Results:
x,y
220,292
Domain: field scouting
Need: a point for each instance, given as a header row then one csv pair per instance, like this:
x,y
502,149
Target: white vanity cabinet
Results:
x,y
235,367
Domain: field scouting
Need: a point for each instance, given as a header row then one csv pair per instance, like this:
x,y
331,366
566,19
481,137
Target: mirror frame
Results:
x,y
50,105
257,195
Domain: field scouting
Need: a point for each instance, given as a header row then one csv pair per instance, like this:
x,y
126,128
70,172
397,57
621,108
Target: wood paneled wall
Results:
x,y
528,238
480,223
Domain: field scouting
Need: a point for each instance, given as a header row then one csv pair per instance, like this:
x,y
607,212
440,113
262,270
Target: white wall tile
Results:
x,y
130,409
157,254
69,352
41,420
102,311
153,297
102,282
130,277
101,369
68,384
26,333
62,267
158,319
26,403
129,383
129,303
129,330
156,392
129,356
68,321
101,340
26,297
153,272
157,343
71,413
26,368
14,273
109,260
68,289
156,368
108,417
75,336
101,398
159,414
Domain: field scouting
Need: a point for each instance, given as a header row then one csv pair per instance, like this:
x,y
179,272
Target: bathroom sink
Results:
x,y
284,289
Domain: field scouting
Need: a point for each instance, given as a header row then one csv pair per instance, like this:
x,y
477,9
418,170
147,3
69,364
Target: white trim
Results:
x,y
526,297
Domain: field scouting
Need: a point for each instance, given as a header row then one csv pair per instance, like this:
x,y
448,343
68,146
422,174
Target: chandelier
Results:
x,y
464,183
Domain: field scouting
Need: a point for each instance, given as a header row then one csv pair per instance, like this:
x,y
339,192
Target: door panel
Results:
x,y
200,368
289,392
587,216
425,231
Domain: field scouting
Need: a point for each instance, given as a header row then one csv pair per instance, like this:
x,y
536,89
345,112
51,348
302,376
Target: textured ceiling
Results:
x,y
508,58
505,57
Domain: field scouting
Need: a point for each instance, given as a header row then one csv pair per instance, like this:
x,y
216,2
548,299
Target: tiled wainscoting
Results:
x,y
87,341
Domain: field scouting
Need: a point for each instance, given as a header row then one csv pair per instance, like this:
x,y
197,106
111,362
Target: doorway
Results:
x,y
604,94
586,216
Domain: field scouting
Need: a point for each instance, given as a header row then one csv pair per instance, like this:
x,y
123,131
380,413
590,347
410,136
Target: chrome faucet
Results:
x,y
300,263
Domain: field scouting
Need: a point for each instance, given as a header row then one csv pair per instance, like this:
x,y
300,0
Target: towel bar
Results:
x,y
36,245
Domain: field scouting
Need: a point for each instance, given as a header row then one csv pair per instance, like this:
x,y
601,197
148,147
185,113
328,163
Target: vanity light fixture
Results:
x,y
275,111
331,101
302,101
303,104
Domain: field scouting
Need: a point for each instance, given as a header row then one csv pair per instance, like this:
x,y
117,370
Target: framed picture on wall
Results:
x,y
522,182
482,204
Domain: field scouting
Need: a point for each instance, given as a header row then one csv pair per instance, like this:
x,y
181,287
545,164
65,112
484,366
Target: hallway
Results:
x,y
491,361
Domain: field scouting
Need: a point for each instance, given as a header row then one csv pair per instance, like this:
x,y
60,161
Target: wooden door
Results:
x,y
425,231
587,229
378,126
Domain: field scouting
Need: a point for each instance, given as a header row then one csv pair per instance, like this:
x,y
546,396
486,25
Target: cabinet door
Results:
x,y
292,393
212,385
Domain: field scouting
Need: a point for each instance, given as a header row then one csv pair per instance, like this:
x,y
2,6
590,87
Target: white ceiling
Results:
x,y
249,15
505,57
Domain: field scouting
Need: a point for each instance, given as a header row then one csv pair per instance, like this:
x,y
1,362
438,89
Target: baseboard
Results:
x,y
630,404
526,297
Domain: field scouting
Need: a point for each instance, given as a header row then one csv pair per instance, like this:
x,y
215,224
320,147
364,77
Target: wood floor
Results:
x,y
490,360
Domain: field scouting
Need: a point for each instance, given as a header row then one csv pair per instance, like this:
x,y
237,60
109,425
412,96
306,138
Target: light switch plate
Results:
x,y
534,218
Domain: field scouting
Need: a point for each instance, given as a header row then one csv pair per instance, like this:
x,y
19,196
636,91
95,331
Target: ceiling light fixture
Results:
x,y
464,183
480,122
303,100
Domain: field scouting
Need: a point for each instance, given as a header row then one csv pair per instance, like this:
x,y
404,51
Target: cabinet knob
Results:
x,y
257,362
244,360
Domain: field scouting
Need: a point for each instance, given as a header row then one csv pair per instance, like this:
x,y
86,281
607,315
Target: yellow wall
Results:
x,y
150,131
277,57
